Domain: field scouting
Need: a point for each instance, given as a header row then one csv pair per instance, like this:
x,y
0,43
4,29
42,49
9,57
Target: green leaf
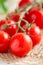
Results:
x,y
2,1
3,6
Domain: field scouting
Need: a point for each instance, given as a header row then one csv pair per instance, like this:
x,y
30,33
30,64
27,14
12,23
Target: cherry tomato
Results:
x,y
11,28
22,23
14,16
36,16
26,16
4,41
20,44
6,22
35,34
2,22
25,2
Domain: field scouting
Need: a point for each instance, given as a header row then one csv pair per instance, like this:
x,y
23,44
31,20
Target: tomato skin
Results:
x,y
35,34
20,44
9,21
4,42
2,22
14,16
11,29
26,16
25,2
37,16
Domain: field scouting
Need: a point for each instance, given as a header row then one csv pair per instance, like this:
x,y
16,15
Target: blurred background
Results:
x,y
7,6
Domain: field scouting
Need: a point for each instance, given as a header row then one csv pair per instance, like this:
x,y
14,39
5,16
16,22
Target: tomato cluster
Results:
x,y
21,35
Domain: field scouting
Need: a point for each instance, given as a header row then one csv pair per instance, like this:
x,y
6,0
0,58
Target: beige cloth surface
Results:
x,y
35,57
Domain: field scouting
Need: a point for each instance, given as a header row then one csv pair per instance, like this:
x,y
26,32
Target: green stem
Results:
x,y
27,23
4,26
22,14
20,26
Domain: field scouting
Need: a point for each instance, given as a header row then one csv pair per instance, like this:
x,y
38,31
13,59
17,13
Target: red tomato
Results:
x,y
14,16
6,22
37,16
35,34
22,23
11,29
4,41
25,2
20,44
26,16
2,22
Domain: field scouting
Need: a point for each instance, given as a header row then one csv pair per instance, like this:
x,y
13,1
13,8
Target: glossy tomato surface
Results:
x,y
9,26
25,2
36,16
20,44
12,29
14,16
4,41
35,34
